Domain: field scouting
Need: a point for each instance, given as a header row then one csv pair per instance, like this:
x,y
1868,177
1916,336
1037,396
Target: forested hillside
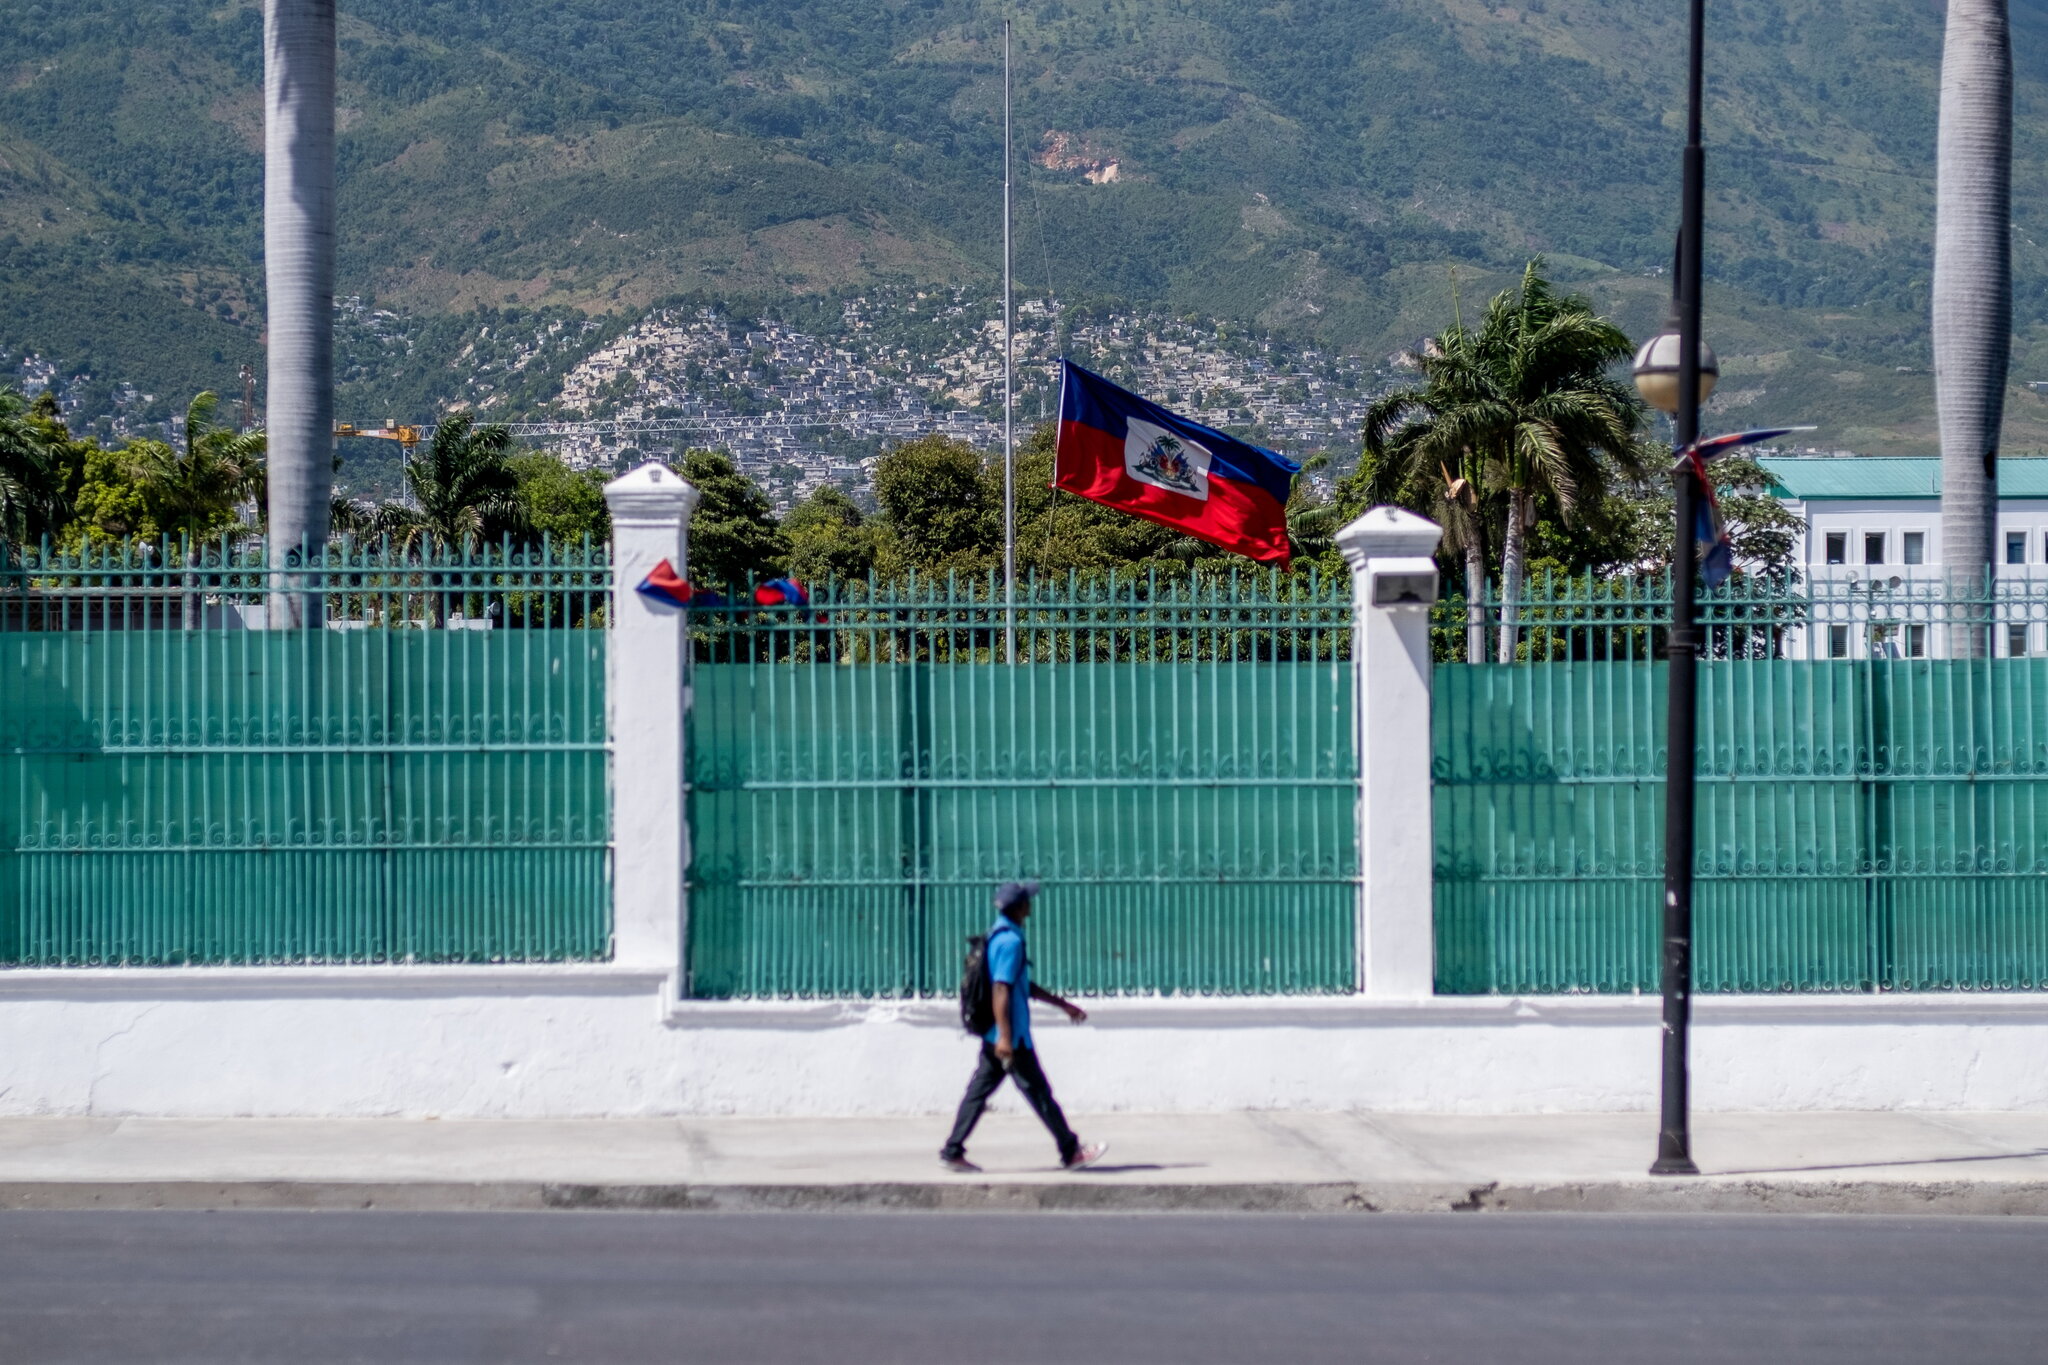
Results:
x,y
1312,166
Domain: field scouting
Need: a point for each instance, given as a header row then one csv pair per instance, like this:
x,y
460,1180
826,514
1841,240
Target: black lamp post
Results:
x,y
1677,384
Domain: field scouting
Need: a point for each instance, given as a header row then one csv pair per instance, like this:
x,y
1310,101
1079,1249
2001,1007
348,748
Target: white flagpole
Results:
x,y
1009,440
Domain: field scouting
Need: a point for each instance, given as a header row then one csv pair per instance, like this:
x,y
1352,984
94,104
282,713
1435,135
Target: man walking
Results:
x,y
1006,1048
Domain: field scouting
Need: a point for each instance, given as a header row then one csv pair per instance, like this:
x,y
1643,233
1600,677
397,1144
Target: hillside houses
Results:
x,y
812,408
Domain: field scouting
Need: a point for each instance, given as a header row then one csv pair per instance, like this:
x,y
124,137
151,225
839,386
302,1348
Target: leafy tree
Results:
x,y
1765,532
1526,405
829,537
39,467
1312,520
110,504
943,502
733,532
561,503
1059,533
1632,530
195,490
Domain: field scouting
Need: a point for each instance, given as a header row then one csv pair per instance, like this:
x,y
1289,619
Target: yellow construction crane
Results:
x,y
407,436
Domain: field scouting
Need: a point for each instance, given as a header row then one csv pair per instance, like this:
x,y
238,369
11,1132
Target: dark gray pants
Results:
x,y
1030,1079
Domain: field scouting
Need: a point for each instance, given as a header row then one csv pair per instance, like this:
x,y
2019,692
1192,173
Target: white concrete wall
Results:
x,y
598,1042
612,1039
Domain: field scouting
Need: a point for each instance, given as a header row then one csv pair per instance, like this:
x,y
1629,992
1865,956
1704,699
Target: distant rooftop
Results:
x,y
1876,476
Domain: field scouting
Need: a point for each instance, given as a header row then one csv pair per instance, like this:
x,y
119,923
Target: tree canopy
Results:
x,y
733,532
463,486
563,504
40,467
1518,414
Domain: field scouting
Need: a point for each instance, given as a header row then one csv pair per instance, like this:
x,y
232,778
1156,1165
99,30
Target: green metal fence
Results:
x,y
1872,815
421,777
1174,760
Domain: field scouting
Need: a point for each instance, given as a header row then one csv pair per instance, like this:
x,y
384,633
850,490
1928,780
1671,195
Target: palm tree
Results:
x,y
1407,464
1520,410
464,488
33,474
298,262
1972,285
464,491
196,490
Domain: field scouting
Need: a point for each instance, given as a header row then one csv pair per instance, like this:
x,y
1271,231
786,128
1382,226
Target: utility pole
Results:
x,y
1009,438
1674,1136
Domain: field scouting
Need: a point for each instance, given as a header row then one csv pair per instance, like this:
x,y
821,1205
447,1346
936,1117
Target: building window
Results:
x,y
1838,642
2015,547
1916,642
1838,547
1913,547
2016,641
1873,547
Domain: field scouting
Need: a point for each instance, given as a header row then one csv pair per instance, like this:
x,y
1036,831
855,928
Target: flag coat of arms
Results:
x,y
1117,449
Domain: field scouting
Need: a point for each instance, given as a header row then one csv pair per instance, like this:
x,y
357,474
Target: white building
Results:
x,y
1874,523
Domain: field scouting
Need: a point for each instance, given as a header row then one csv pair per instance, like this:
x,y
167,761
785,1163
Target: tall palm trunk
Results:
x,y
1475,601
188,603
1972,289
1514,553
298,263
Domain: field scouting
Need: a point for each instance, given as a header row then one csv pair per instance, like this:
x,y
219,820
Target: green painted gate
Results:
x,y
178,788
1877,822
1175,762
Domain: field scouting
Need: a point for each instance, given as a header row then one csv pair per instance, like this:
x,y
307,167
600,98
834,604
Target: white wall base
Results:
x,y
531,1043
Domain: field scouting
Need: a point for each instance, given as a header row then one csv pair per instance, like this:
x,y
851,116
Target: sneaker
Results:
x,y
1086,1155
960,1165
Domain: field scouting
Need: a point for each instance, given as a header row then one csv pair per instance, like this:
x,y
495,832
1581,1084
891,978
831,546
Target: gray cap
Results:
x,y
1009,893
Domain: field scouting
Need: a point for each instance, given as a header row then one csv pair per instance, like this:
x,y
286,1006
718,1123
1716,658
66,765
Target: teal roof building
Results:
x,y
1868,477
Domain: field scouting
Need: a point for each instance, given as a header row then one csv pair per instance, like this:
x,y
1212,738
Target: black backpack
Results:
x,y
977,994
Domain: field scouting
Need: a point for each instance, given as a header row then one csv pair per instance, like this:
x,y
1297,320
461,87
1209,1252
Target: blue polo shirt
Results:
x,y
1008,964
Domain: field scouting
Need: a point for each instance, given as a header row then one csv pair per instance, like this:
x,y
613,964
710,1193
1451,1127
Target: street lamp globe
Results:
x,y
1656,371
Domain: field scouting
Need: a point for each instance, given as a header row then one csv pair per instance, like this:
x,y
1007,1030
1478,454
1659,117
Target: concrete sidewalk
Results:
x,y
1837,1162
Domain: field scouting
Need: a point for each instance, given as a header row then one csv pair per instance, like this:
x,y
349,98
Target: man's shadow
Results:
x,y
1104,1169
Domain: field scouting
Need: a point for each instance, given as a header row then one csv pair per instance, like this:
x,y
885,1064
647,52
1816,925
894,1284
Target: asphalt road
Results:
x,y
391,1287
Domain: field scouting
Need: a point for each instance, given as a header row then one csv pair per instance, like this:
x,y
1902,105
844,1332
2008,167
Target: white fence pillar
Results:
x,y
1393,582
647,702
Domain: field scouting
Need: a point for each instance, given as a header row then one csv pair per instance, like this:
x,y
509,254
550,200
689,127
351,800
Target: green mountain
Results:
x,y
1314,167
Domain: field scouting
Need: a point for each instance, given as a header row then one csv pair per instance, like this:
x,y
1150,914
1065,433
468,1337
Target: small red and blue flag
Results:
x,y
1125,452
664,584
1709,532
781,592
1716,546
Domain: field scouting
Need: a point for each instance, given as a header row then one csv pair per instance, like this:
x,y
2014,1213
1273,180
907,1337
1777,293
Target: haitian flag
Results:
x,y
1123,452
1710,534
781,592
667,586
1716,546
